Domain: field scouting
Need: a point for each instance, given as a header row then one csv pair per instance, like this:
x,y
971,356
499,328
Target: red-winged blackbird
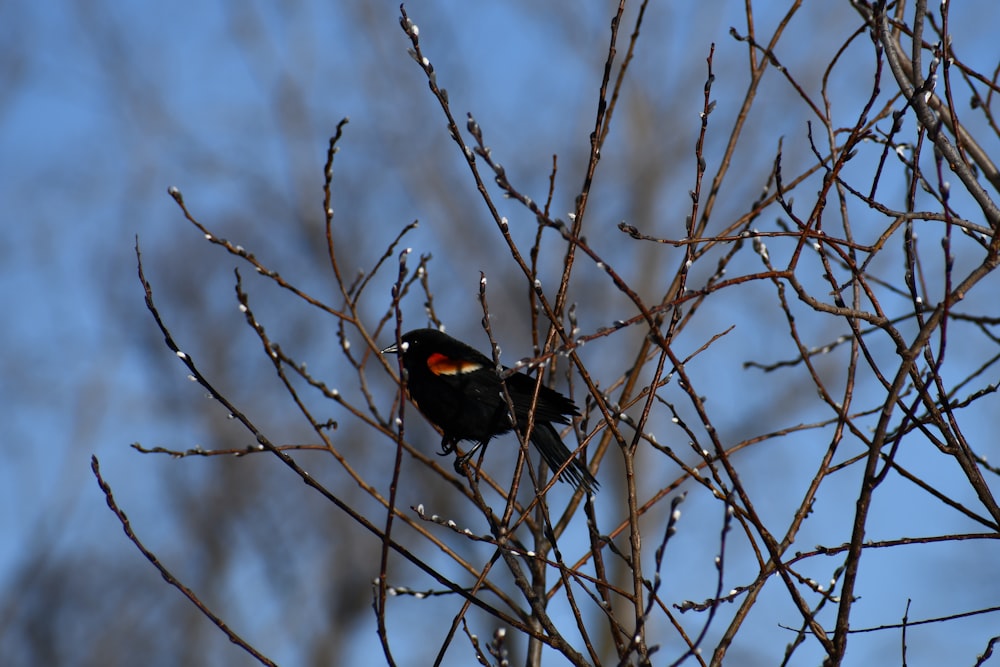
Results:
x,y
459,390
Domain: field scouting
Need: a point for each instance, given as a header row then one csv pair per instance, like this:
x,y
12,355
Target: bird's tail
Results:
x,y
546,440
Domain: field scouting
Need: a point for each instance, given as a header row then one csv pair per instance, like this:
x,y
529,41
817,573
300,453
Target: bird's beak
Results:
x,y
392,349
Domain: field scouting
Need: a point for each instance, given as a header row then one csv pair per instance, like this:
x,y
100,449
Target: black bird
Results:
x,y
459,390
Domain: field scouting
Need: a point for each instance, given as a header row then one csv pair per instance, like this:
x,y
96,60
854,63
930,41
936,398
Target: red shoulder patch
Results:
x,y
444,365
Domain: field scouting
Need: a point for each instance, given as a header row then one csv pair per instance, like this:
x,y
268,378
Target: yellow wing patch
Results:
x,y
443,365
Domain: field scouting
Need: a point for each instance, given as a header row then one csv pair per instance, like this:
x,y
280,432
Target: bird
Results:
x,y
458,389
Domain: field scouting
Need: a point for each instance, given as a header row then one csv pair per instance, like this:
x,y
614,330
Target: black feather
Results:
x,y
459,390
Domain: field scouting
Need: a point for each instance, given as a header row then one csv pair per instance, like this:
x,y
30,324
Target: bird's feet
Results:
x,y
464,458
447,446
